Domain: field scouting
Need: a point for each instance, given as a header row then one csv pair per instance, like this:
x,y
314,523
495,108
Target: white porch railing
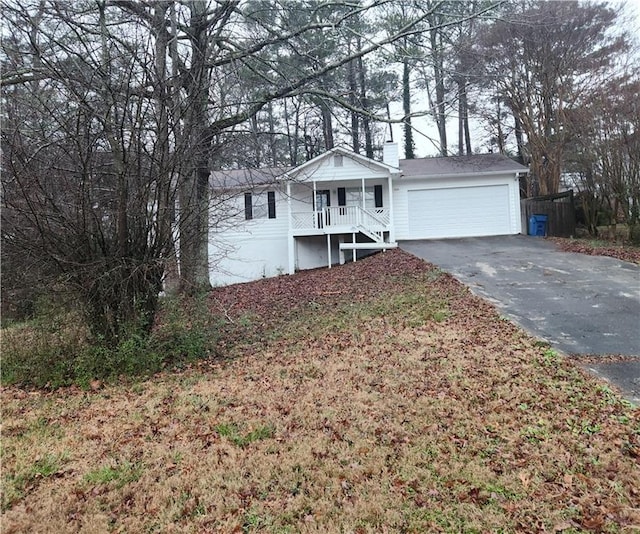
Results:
x,y
372,222
303,220
382,214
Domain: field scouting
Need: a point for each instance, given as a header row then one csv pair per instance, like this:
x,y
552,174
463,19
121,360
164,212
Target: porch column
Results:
x,y
291,240
329,249
353,251
392,226
313,206
363,202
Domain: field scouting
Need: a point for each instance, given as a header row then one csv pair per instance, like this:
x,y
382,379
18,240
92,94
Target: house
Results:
x,y
342,204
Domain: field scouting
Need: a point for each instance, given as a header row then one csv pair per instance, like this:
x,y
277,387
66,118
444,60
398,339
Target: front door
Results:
x,y
322,201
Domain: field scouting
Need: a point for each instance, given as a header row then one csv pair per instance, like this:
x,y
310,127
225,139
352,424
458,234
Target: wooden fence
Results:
x,y
559,209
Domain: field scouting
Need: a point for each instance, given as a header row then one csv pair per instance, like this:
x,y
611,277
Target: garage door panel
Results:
x,y
459,212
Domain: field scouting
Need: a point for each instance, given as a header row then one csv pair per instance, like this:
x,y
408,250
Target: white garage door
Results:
x,y
459,212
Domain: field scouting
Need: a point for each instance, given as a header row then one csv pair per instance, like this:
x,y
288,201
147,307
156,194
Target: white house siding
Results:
x,y
302,193
311,252
241,251
426,208
326,170
460,205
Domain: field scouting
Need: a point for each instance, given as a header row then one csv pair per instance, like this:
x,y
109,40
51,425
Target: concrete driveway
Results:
x,y
582,305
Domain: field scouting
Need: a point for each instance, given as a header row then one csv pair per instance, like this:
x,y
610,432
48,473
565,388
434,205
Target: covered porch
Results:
x,y
348,215
341,206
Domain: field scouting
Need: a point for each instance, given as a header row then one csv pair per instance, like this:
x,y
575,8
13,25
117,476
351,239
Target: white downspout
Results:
x,y
392,224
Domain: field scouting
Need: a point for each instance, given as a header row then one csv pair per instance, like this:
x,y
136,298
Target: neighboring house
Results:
x,y
340,203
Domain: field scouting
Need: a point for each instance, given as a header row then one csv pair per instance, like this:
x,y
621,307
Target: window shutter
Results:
x,y
377,193
342,196
248,209
271,203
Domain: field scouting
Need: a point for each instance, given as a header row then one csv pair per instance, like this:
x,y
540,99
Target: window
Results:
x,y
352,196
260,205
323,199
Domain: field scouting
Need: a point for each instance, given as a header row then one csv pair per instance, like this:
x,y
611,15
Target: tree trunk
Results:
x,y
465,118
166,207
409,144
366,121
194,191
460,120
437,51
327,125
257,159
519,139
273,149
353,100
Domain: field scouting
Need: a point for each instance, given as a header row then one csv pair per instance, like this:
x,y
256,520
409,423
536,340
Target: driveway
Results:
x,y
587,306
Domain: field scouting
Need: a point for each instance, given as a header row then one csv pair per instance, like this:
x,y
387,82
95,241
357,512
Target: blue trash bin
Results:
x,y
538,225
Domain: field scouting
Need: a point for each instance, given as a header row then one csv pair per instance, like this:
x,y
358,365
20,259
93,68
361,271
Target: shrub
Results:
x,y
57,349
41,352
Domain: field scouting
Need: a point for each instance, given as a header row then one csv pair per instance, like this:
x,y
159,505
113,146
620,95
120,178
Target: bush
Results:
x,y
185,329
57,350
41,352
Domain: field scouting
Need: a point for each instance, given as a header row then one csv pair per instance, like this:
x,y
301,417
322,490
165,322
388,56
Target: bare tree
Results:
x,y
87,183
115,113
544,57
604,154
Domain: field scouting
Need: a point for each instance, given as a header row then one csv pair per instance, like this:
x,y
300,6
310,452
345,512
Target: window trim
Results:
x,y
249,203
271,204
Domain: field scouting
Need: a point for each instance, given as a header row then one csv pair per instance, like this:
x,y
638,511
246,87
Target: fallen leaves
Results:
x,y
525,478
588,246
340,401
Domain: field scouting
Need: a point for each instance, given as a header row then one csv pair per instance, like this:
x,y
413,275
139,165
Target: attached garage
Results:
x,y
459,211
450,197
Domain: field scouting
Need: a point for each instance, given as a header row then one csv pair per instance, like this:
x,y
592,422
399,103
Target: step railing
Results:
x,y
372,223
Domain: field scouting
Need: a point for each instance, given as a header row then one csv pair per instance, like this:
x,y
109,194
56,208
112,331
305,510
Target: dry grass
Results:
x,y
413,410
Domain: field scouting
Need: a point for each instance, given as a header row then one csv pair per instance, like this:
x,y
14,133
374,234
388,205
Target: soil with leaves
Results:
x,y
592,247
379,396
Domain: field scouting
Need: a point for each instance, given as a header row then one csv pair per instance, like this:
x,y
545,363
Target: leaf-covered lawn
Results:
x,y
593,247
380,396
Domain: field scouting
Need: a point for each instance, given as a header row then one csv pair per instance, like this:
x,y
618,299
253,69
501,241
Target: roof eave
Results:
x,y
463,174
345,152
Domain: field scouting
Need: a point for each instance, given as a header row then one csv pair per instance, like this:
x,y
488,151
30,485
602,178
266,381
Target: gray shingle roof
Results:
x,y
451,165
441,166
246,177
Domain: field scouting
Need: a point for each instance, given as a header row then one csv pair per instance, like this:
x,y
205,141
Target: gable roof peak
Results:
x,y
340,150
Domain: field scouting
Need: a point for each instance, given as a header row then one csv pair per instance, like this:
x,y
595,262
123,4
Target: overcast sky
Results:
x,y
425,131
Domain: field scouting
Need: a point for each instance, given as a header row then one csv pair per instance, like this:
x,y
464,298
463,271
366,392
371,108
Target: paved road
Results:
x,y
581,305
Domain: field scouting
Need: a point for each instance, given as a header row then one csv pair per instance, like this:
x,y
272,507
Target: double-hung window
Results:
x,y
260,205
352,196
